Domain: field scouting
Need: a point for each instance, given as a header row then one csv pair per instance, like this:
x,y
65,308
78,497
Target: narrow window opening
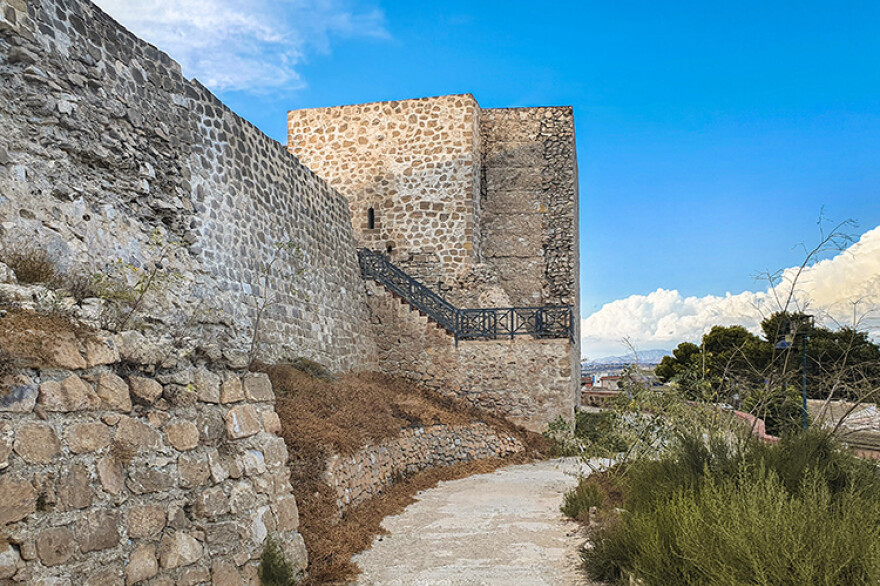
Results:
x,y
371,219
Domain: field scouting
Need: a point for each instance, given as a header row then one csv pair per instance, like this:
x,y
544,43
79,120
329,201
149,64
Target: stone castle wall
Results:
x,y
118,467
415,163
529,203
369,471
531,382
479,204
108,152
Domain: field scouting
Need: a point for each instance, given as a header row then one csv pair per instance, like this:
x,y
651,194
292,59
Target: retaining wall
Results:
x,y
530,381
111,475
369,471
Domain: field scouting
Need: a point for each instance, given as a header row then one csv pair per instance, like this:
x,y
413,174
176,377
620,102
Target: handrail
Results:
x,y
469,324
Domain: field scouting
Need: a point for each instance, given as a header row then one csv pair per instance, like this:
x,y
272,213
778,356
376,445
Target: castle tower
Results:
x,y
480,204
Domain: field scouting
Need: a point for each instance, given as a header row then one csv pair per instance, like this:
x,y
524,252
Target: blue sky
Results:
x,y
710,135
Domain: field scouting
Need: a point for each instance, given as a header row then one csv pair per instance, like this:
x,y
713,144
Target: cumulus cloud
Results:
x,y
838,290
244,44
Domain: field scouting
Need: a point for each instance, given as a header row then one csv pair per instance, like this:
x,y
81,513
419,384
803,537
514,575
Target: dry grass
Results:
x,y
26,336
321,417
30,263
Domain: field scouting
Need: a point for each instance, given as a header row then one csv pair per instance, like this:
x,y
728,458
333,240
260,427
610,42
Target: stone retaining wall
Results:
x,y
366,473
529,381
110,475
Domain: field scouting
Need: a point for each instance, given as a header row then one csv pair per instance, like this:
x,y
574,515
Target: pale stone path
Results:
x,y
501,529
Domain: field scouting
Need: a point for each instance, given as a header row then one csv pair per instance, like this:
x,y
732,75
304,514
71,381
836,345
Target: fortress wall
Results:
x,y
529,381
529,203
107,152
416,163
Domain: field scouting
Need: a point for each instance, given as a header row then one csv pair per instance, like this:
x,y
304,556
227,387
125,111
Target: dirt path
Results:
x,y
499,529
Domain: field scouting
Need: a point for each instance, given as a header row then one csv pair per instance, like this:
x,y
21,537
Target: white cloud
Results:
x,y
244,44
836,290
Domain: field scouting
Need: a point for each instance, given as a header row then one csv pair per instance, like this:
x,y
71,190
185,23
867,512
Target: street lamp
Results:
x,y
785,341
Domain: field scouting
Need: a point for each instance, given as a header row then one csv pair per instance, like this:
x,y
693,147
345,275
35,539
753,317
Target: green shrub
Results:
x,y
782,411
577,502
275,569
711,512
610,552
599,433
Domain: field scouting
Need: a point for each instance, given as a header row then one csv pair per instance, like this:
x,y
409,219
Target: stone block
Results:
x,y
182,435
271,422
258,388
287,513
111,475
212,503
144,391
207,385
242,421
179,549
88,437
113,391
36,443
193,576
136,434
145,521
275,452
224,574
193,470
9,560
100,351
142,564
73,490
20,397
55,546
62,351
71,394
98,530
231,391
225,536
144,480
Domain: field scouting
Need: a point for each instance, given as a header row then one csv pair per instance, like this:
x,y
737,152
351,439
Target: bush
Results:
x,y
598,431
275,569
30,263
578,501
710,512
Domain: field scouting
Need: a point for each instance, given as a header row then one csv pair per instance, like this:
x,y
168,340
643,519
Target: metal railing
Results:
x,y
468,324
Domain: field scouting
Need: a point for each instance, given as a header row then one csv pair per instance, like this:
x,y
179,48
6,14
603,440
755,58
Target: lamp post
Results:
x,y
786,338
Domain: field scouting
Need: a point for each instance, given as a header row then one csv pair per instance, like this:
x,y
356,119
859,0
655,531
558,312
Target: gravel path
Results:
x,y
503,528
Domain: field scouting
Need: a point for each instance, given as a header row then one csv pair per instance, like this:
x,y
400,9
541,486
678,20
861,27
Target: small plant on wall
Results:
x,y
271,276
126,286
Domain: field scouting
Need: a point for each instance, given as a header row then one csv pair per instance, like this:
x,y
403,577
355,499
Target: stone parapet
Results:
x,y
370,470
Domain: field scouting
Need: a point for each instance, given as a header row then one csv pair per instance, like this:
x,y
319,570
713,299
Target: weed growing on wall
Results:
x,y
288,255
30,262
275,569
125,286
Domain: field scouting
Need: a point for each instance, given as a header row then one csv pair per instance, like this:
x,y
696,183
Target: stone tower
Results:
x,y
480,204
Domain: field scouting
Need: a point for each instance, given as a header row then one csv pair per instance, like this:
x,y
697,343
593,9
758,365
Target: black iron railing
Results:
x,y
468,324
